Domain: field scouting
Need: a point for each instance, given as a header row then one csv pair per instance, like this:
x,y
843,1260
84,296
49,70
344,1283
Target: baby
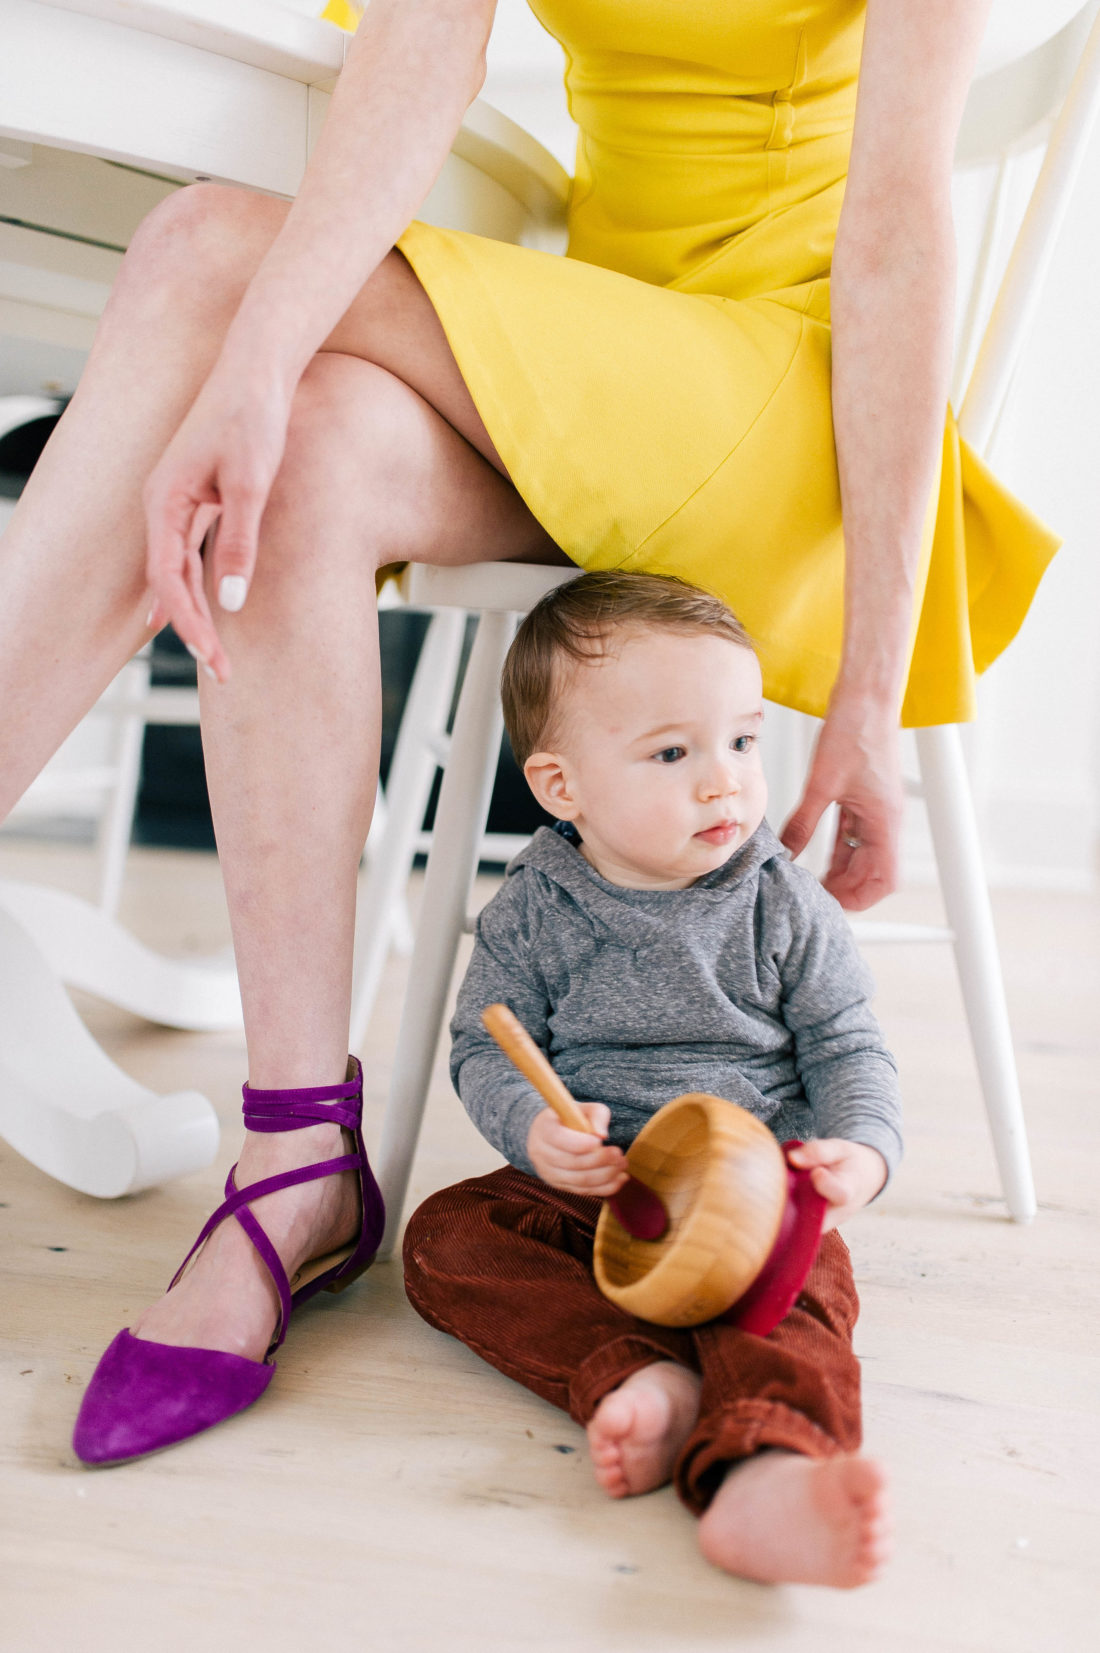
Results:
x,y
658,941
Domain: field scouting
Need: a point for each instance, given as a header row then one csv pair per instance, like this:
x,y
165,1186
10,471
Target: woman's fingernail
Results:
x,y
150,618
232,591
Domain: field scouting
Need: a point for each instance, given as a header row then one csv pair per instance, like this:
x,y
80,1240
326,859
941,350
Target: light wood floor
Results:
x,y
392,1493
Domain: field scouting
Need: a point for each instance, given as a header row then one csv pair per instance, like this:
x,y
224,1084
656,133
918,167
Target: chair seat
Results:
x,y
484,587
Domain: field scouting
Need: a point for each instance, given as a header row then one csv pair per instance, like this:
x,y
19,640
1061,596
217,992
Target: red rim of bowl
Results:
x,y
775,1290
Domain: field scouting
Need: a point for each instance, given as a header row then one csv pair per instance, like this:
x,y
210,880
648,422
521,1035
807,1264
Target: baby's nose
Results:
x,y
721,780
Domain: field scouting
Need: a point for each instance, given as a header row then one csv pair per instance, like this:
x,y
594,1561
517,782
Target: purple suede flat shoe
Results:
x,y
145,1396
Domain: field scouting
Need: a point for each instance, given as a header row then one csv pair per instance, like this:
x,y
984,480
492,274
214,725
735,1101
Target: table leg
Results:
x,y
66,1107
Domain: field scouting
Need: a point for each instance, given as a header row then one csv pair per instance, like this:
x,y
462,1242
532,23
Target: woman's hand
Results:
x,y
574,1160
857,765
216,473
847,1174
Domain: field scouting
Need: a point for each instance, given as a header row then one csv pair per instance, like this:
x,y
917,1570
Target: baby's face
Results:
x,y
658,757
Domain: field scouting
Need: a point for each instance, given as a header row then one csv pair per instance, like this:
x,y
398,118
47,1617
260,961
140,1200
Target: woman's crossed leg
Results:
x,y
386,460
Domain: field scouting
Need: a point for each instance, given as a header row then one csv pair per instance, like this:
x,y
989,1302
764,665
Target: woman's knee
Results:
x,y
204,233
338,422
355,443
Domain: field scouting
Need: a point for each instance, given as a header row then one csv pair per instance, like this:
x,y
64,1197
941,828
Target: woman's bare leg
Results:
x,y
373,473
388,478
72,586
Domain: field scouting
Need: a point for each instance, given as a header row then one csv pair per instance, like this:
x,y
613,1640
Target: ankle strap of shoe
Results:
x,y
293,1110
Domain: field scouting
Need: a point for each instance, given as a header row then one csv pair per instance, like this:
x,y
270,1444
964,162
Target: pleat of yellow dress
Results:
x,y
661,395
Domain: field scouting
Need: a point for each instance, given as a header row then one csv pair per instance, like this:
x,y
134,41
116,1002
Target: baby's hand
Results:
x,y
572,1159
847,1174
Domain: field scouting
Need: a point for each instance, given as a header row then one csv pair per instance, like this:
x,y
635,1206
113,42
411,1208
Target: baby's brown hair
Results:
x,y
575,623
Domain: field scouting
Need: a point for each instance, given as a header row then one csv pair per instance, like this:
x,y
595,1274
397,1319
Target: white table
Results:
x,y
231,90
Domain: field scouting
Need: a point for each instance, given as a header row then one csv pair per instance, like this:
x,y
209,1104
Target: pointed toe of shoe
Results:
x,y
145,1396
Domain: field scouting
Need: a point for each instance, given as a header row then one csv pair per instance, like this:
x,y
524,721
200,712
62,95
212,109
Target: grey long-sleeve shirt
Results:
x,y
747,985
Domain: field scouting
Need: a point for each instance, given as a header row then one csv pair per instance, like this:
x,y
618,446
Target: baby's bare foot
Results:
x,y
227,1299
637,1430
784,1519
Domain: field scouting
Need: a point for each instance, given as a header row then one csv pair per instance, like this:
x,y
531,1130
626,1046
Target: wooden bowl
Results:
x,y
724,1182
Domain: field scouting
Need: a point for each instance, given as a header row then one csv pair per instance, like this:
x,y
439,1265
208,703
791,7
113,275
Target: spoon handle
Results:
x,y
518,1045
637,1207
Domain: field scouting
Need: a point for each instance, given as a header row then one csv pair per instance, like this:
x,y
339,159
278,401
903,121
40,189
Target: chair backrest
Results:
x,y
1052,93
1011,103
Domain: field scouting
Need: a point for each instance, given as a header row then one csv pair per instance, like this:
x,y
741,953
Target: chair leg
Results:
x,y
456,837
117,821
414,765
401,930
966,897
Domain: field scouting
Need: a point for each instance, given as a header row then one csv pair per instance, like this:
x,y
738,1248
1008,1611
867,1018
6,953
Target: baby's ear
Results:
x,y
548,781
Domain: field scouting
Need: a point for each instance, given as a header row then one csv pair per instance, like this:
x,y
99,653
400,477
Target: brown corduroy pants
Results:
x,y
504,1263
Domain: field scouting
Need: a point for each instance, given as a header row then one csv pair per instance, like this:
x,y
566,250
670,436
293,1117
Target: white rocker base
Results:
x,y
67,1108
89,950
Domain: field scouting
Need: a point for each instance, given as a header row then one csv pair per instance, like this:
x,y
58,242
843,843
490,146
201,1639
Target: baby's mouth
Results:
x,y
723,833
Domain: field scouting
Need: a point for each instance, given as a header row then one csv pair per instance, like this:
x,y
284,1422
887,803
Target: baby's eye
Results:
x,y
670,754
744,743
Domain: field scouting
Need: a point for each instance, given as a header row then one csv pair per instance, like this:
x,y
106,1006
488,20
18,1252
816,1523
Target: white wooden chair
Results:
x,y
1008,112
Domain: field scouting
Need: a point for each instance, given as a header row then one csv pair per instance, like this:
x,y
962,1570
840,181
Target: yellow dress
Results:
x,y
661,395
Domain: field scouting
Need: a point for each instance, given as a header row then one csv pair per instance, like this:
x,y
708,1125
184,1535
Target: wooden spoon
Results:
x,y
638,1208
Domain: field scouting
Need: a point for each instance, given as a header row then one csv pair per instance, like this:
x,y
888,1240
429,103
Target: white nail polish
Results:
x,y
210,672
232,591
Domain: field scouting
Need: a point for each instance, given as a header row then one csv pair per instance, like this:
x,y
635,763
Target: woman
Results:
x,y
660,400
